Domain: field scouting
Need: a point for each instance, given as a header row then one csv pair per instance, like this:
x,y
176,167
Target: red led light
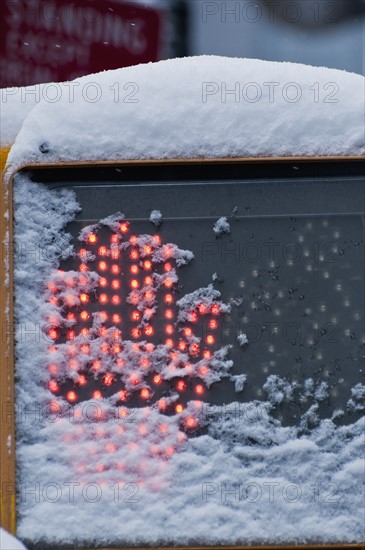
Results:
x,y
116,300
103,282
96,365
170,343
70,300
108,379
114,239
111,448
145,393
74,364
194,349
71,335
117,348
133,239
53,300
134,254
199,389
193,317
181,386
115,284
207,354
136,333
103,266
81,380
134,380
134,298
148,330
116,318
83,268
92,238
167,267
169,329
72,350
190,422
85,348
115,254
182,345
134,269
147,250
123,395
149,295
202,308
168,282
167,251
188,332
169,314
179,408
216,309
53,368
84,332
71,396
84,298
213,324
103,251
71,317
147,264
210,339
135,315
115,269
157,379
148,281
53,386
124,226
103,298
134,283
83,280
97,394
169,299
145,362
162,405
104,348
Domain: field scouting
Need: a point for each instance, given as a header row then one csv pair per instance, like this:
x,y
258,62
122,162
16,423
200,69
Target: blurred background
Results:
x,y
56,40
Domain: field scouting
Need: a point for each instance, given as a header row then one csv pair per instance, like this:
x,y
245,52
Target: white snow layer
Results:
x,y
198,107
138,479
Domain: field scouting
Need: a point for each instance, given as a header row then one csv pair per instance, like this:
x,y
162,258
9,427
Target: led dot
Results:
x,y
103,282
162,405
96,365
169,343
169,329
85,348
124,227
134,269
103,251
157,379
92,238
194,349
147,250
135,315
168,299
117,348
210,339
181,386
145,393
147,264
136,333
193,317
71,396
115,254
71,335
103,266
53,368
81,380
84,298
115,269
134,298
213,324
108,379
103,298
114,239
97,394
148,330
188,332
167,267
116,318
148,281
168,282
134,380
179,408
53,386
134,283
134,255
83,268
74,364
133,240
104,318
145,362
190,422
199,389
149,295
207,354
216,309
123,395
71,317
182,345
104,348
82,253
116,300
53,300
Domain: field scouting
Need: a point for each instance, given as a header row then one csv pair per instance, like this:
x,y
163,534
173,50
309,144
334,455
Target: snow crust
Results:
x,y
132,475
15,105
183,108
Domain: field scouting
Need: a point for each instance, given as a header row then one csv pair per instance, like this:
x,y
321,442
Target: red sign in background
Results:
x,y
57,40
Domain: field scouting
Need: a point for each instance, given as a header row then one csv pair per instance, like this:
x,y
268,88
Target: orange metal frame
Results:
x,y
7,394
